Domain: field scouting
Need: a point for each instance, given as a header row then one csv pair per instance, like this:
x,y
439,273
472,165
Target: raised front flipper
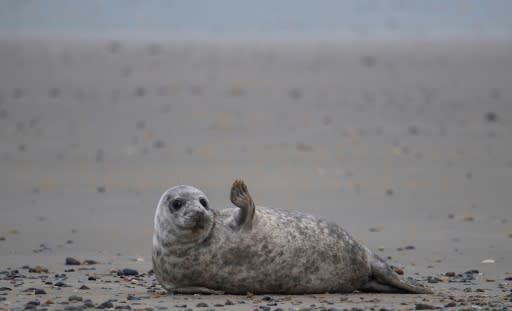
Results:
x,y
241,198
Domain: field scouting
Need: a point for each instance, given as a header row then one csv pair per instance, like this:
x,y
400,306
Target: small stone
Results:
x,y
450,304
75,298
39,291
202,305
491,117
127,272
389,192
38,269
84,287
450,274
49,302
180,306
295,93
368,61
410,247
469,218
61,284
424,306
267,298
140,91
229,303
106,305
101,189
54,92
378,228
302,147
70,261
90,262
92,278
413,130
3,289
451,216
88,303
158,144
2,238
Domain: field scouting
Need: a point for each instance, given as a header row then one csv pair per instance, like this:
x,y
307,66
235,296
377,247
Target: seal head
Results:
x,y
183,216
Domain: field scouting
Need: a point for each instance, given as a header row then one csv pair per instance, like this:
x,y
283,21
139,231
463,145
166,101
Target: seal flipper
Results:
x,y
196,290
384,280
241,198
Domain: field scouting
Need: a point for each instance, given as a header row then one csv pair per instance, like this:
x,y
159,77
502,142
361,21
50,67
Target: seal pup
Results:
x,y
242,249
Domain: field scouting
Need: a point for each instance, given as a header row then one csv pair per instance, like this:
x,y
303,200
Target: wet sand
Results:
x,y
407,145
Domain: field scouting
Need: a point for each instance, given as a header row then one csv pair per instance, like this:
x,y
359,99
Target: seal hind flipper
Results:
x,y
241,198
384,280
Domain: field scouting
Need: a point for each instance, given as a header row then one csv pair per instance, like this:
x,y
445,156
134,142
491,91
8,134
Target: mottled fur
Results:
x,y
259,250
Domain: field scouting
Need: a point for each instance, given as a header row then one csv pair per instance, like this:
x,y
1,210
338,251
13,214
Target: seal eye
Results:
x,y
203,202
177,204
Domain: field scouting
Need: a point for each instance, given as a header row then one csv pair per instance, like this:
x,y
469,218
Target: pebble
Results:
x,y
38,269
90,262
302,147
491,117
2,238
61,284
88,303
84,287
410,247
202,305
229,303
70,261
39,291
127,271
295,93
75,298
158,144
424,306
3,289
101,189
106,305
450,304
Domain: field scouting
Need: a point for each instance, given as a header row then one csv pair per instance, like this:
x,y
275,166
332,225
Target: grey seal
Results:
x,y
249,249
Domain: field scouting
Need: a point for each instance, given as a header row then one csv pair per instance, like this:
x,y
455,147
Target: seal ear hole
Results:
x,y
203,202
176,204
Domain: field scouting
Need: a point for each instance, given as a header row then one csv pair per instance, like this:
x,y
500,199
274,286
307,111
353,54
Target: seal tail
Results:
x,y
383,279
241,198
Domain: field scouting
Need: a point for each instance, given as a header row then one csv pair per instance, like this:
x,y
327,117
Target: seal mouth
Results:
x,y
195,223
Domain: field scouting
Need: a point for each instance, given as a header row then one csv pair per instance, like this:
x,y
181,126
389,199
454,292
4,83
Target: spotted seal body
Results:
x,y
197,249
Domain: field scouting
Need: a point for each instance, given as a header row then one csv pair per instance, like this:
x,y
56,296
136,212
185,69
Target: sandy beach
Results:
x,y
405,144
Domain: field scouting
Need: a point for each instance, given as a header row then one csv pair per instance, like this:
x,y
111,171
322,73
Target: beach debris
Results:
x,y
491,117
38,269
424,306
303,147
70,261
368,61
74,298
378,228
468,218
127,272
488,260
106,305
295,93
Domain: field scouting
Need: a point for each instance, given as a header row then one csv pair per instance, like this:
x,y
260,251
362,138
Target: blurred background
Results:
x,y
391,118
